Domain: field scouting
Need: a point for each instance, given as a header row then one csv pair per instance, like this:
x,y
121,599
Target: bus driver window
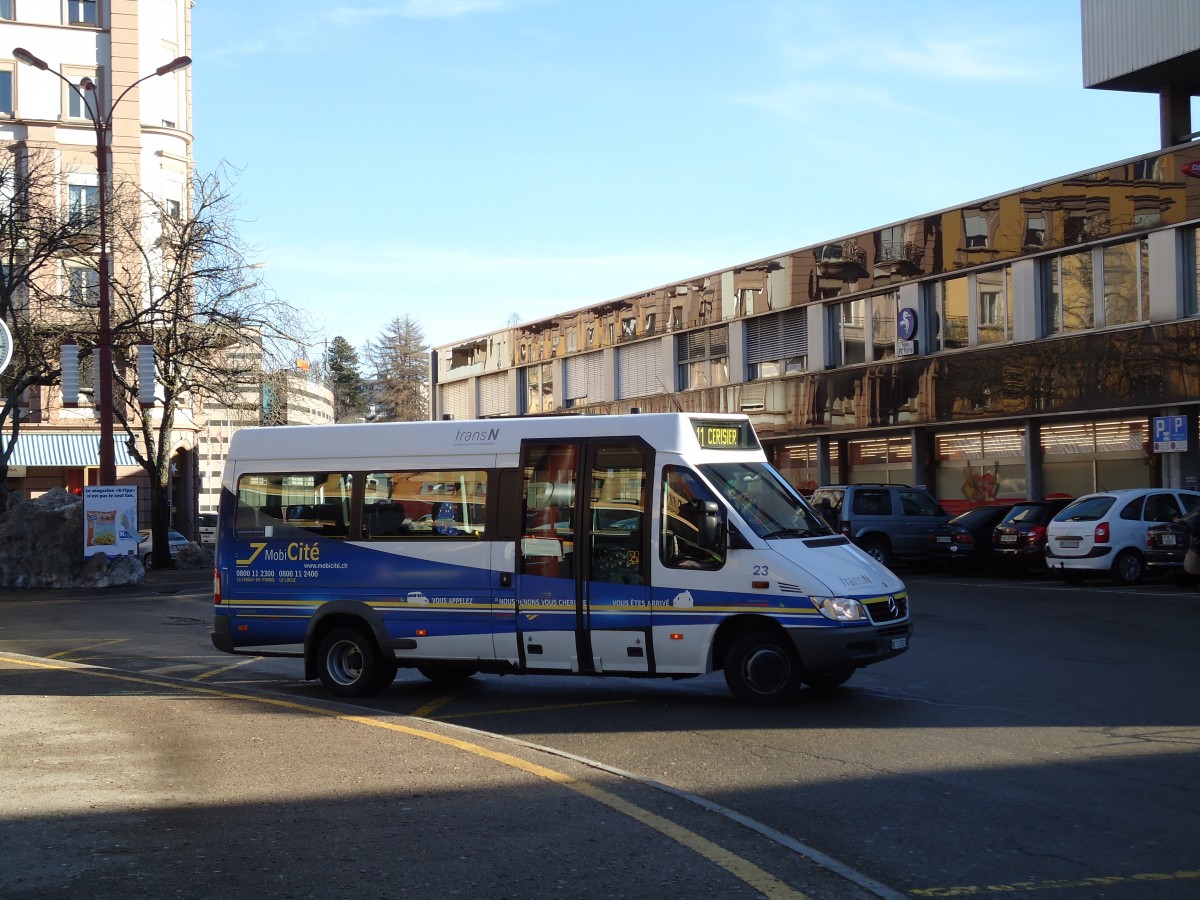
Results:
x,y
683,499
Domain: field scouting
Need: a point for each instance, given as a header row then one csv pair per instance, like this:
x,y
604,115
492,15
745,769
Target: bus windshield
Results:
x,y
766,503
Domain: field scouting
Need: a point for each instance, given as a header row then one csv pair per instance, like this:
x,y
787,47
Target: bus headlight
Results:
x,y
840,609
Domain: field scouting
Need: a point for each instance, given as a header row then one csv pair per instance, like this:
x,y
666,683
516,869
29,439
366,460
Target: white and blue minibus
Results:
x,y
634,545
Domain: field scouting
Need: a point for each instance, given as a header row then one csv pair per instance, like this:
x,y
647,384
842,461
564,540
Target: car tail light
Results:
x,y
964,537
1101,535
1037,534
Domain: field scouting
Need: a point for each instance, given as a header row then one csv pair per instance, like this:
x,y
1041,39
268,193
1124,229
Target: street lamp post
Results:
x,y
102,124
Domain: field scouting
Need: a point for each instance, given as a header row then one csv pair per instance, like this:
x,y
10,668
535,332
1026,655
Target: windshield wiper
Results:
x,y
797,533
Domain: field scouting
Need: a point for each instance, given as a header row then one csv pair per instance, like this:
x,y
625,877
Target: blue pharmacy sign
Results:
x,y
1170,434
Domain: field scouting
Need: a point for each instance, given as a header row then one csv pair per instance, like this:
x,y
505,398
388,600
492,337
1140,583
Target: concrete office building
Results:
x,y
1019,345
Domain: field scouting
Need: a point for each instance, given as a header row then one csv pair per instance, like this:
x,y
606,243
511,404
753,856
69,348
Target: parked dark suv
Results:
x,y
889,521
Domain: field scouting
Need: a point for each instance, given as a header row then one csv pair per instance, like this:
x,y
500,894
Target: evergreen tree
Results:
x,y
400,358
345,379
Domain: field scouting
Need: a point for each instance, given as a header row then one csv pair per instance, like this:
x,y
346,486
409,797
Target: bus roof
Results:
x,y
684,432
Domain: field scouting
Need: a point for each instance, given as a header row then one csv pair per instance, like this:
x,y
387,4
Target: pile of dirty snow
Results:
x,y
41,546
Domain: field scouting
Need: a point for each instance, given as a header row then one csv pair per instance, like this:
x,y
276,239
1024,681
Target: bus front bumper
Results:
x,y
830,649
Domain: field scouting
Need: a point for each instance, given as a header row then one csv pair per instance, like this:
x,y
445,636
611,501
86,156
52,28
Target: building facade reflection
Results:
x,y
1072,301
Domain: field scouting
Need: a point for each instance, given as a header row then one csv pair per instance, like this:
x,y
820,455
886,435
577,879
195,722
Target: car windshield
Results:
x,y
1086,509
765,502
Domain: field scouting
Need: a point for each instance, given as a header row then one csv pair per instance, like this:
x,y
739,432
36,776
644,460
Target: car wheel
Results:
x,y
350,664
148,560
762,669
1128,567
878,549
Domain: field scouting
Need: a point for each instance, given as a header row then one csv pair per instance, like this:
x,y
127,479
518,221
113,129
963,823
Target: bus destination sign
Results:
x,y
725,435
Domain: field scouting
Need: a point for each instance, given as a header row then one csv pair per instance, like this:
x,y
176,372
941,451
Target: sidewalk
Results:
x,y
157,581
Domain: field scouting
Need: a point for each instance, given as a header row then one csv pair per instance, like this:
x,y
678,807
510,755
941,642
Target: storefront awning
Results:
x,y
63,450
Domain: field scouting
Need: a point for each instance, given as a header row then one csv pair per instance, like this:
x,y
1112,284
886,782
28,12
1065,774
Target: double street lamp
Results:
x,y
102,124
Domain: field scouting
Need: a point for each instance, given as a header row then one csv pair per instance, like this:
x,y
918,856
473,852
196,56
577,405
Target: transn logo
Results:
x,y
258,548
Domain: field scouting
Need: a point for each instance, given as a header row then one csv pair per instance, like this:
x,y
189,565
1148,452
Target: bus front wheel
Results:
x,y
350,664
762,669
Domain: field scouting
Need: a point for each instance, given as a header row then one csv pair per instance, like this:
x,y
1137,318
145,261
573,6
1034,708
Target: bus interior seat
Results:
x,y
386,520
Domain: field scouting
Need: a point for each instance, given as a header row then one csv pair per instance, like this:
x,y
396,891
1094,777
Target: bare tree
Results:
x,y
400,358
37,231
185,286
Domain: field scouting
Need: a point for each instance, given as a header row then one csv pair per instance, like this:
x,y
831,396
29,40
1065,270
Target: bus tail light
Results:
x,y
216,586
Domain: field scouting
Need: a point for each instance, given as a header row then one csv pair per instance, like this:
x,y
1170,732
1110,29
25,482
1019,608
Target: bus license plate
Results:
x,y
899,643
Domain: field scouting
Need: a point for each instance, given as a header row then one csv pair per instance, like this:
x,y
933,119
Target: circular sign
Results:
x,y
906,327
6,345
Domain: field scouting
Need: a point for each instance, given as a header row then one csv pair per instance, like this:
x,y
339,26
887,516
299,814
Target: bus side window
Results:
x,y
684,498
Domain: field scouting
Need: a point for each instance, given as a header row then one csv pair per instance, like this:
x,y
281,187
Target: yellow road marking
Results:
x,y
61,653
432,706
221,671
744,870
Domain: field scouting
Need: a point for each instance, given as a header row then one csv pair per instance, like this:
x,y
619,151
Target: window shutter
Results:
x,y
637,370
777,336
493,399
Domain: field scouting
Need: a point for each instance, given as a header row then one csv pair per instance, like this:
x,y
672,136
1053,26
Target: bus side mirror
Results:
x,y
710,524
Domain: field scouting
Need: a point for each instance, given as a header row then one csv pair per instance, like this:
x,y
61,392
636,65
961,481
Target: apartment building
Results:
x,y
112,44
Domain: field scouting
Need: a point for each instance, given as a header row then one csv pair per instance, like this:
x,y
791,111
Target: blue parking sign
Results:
x,y
1170,434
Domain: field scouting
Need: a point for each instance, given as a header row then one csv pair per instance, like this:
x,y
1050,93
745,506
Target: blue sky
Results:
x,y
464,161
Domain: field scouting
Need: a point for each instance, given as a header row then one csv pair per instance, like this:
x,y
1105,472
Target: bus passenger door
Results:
x,y
547,590
582,594
616,590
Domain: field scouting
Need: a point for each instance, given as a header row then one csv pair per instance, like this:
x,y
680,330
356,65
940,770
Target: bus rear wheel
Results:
x,y
351,665
762,669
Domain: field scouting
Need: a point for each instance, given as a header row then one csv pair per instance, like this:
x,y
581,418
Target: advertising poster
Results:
x,y
110,520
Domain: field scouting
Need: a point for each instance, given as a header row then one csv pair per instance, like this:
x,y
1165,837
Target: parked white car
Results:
x,y
1105,532
175,543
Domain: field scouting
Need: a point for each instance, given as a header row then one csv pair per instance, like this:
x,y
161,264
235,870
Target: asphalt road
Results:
x,y
1038,740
